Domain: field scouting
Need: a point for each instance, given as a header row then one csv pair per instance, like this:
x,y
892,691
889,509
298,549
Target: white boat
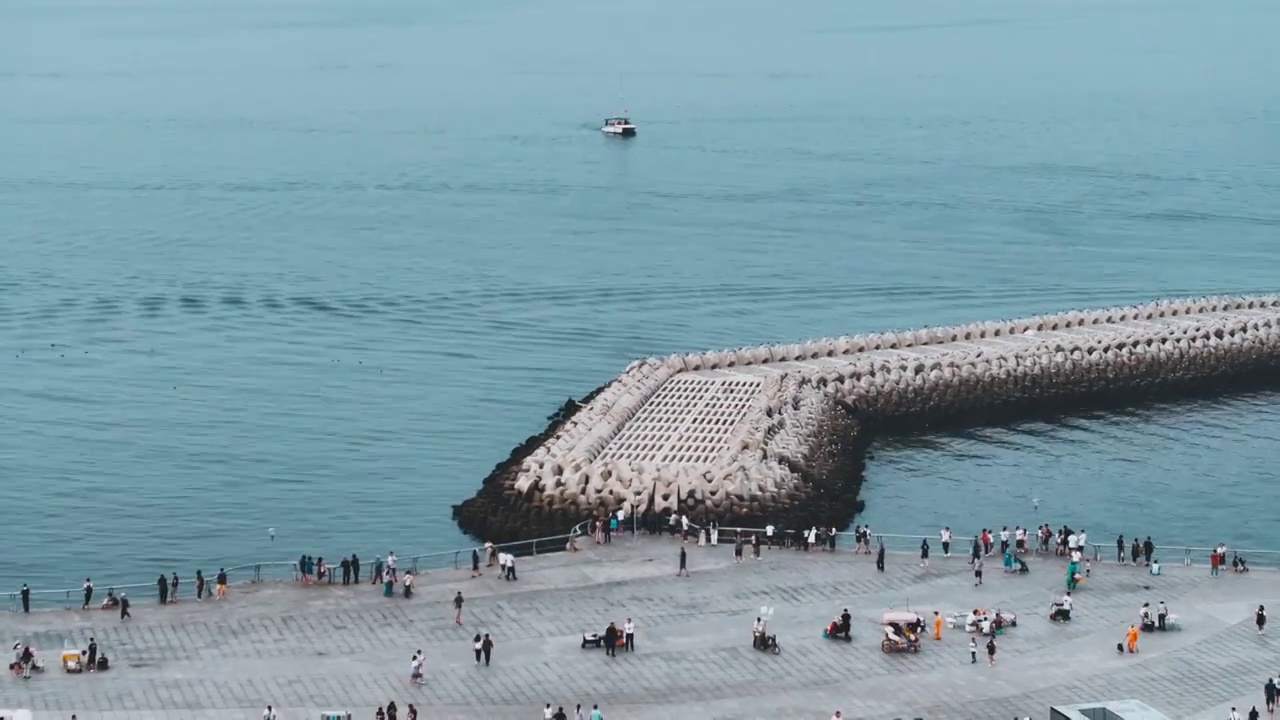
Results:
x,y
620,126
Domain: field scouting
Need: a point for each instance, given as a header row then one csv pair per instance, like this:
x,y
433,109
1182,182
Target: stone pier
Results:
x,y
779,433
308,649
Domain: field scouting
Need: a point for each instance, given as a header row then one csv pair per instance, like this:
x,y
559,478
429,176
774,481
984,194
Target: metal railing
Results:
x,y
960,546
71,598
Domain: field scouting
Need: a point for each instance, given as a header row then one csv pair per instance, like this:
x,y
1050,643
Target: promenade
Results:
x,y
309,649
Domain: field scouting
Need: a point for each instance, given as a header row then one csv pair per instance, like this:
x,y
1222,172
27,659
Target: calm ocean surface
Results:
x,y
317,266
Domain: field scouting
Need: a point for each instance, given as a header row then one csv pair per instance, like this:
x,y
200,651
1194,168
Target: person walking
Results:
x,y
407,583
415,670
1148,549
376,579
457,608
88,593
220,584
511,568
924,552
629,635
977,571
163,586
1234,715
486,646
991,651
1260,619
124,606
25,592
684,568
973,651
199,585
477,646
1131,638
611,641
737,551
1269,694
595,713
880,557
937,625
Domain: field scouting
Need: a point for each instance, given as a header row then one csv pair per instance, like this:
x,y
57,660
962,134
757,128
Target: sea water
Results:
x,y
317,266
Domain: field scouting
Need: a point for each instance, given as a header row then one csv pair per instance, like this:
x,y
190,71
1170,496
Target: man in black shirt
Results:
x,y
163,585
355,569
346,571
611,639
124,606
559,714
26,598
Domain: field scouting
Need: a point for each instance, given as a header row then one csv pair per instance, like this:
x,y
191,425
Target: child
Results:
x,y
973,651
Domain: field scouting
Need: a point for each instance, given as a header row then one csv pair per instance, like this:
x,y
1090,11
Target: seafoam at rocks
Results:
x,y
782,429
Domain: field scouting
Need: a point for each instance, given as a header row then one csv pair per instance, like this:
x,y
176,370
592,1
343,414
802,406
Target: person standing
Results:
x,y
355,569
407,583
559,714
475,563
924,552
391,564
345,565
684,568
1260,619
937,625
88,593
595,713
511,567
737,551
1004,539
991,651
1162,612
91,656
502,564
1213,564
578,714
1148,549
415,670
163,586
945,535
220,584
973,651
880,557
611,640
199,585
376,578
124,606
173,587
477,646
755,545
1120,549
26,598
486,646
1234,715
268,713
1131,637
457,608
977,571
1269,694
629,635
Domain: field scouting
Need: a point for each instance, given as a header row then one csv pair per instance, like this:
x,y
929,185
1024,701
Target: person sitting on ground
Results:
x,y
1238,563
111,601
833,629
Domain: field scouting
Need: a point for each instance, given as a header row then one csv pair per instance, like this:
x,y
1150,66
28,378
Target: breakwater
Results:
x,y
780,432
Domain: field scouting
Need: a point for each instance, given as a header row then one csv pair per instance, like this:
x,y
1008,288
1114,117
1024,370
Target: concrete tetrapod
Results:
x,y
780,432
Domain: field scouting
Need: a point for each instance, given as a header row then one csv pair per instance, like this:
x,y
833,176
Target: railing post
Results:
x,y
1186,557
456,553
257,573
415,566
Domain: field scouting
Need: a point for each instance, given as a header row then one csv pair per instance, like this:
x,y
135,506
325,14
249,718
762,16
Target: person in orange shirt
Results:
x,y
937,626
1133,638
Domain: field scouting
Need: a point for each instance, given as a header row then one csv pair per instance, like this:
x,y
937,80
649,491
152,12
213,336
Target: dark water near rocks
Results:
x,y
317,266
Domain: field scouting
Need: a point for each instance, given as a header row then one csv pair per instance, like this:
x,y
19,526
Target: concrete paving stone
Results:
x,y
308,649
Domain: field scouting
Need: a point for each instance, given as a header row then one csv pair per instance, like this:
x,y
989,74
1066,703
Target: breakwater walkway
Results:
x,y
310,649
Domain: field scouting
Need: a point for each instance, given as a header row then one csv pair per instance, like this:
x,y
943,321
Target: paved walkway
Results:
x,y
307,649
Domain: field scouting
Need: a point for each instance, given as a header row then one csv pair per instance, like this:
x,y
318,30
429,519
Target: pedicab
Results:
x,y
902,630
